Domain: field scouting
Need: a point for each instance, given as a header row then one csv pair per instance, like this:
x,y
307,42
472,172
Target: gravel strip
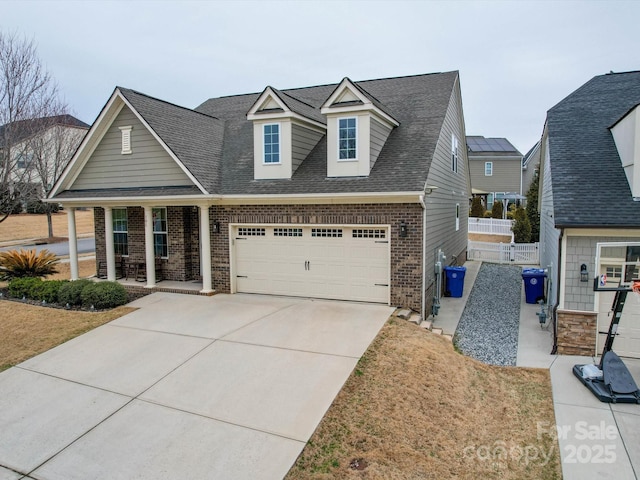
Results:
x,y
488,328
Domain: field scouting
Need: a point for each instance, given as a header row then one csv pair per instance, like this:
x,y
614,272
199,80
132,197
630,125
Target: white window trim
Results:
x,y
454,153
126,214
162,232
338,138
264,150
126,139
490,164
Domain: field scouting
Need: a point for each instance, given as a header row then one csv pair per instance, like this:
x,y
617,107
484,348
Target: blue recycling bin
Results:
x,y
533,284
455,280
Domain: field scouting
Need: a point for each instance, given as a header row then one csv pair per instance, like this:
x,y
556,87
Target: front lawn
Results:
x,y
414,408
27,330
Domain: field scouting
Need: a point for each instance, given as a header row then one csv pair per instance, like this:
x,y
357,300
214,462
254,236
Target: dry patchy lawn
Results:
x,y
487,237
415,409
86,268
26,226
27,330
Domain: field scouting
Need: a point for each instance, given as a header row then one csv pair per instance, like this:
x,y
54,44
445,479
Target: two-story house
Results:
x,y
342,191
590,195
495,167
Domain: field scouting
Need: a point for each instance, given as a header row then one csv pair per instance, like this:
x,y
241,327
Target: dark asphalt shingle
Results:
x,y
589,184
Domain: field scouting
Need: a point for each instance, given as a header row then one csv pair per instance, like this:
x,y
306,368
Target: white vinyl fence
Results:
x,y
490,225
516,253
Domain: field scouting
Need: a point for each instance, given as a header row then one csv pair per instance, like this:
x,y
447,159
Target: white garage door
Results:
x,y
344,263
627,342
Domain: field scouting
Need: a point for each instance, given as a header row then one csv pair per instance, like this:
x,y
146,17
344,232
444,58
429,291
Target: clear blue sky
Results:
x,y
516,58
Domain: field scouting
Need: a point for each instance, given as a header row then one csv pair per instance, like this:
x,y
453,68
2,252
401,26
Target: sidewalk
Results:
x,y
597,440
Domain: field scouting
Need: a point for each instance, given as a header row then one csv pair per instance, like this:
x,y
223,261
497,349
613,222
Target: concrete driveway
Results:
x,y
230,386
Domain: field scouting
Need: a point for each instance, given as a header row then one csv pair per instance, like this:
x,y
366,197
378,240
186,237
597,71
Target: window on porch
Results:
x,y
120,231
160,232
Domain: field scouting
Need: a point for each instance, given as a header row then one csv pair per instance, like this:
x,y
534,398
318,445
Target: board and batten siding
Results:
x,y
303,140
149,164
506,173
549,234
452,189
379,135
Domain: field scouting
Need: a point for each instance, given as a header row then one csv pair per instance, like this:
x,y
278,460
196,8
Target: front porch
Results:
x,y
140,249
190,287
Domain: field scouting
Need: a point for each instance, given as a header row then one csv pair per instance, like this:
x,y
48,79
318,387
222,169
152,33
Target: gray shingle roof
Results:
x,y
129,192
24,129
195,138
300,107
419,103
589,184
499,146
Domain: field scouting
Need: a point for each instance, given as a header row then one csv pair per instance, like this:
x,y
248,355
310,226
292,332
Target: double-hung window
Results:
x,y
347,138
272,143
454,153
120,231
160,232
488,169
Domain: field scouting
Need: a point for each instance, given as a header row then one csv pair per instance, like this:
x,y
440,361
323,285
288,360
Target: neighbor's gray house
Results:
x,y
590,193
495,167
343,191
530,164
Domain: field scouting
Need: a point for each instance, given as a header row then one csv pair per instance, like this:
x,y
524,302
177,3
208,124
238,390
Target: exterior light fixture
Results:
x,y
215,227
403,229
584,274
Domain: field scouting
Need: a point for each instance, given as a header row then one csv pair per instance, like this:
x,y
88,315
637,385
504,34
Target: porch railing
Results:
x,y
516,253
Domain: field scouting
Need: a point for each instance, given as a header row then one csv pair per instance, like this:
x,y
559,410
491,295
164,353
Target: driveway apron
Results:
x,y
229,386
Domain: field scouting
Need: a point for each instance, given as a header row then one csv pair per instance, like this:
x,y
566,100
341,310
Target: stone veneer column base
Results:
x,y
577,332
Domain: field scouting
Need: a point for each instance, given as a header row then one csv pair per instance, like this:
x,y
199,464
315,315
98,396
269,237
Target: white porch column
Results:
x,y
149,248
73,242
108,234
205,249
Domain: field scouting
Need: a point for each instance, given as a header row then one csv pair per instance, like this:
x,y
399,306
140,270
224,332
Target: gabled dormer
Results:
x,y
626,134
285,130
357,128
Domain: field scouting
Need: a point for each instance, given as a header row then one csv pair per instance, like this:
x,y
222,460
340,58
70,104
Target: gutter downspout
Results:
x,y
554,310
423,307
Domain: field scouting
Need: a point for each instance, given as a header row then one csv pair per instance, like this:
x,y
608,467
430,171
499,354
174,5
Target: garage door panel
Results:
x,y
312,262
627,341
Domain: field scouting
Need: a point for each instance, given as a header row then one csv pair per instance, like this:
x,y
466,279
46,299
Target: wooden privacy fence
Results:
x,y
516,253
490,225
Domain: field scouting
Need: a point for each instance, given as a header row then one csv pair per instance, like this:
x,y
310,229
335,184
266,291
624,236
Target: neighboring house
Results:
x,y
530,164
343,191
495,166
589,193
39,151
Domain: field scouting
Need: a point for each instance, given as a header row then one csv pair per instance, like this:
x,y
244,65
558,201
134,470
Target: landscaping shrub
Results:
x,y
521,227
47,290
26,263
104,295
477,209
21,287
497,209
71,292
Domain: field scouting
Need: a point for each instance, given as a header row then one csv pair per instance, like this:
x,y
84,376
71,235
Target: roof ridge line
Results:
x,y
166,102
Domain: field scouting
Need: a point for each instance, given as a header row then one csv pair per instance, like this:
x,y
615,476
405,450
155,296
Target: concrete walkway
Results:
x,y
597,440
230,386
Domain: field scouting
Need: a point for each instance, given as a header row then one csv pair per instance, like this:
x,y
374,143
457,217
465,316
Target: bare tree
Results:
x,y
50,151
27,92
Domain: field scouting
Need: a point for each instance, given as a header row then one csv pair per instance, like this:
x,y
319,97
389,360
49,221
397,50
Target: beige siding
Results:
x,y
505,178
379,135
302,142
549,234
149,165
452,189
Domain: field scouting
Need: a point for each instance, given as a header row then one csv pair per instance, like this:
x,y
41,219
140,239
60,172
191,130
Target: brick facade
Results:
x,y
184,257
576,332
183,262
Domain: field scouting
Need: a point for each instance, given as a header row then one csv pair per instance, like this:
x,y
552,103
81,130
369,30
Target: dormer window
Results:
x,y
347,134
271,143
